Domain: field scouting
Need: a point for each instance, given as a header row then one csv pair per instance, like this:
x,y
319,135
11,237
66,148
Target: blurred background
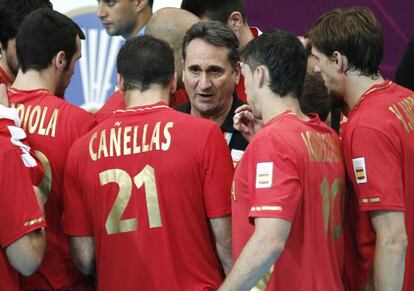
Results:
x,y
94,80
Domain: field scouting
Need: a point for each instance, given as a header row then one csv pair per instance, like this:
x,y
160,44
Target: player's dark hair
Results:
x,y
219,10
284,56
217,34
12,13
42,34
355,33
315,97
144,61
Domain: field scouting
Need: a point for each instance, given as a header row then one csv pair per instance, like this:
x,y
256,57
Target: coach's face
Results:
x,y
209,78
117,16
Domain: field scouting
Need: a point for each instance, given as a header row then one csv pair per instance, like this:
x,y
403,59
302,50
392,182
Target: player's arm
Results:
x,y
390,249
221,227
26,253
82,249
260,253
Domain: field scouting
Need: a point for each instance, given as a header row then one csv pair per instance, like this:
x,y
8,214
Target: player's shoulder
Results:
x,y
6,147
74,112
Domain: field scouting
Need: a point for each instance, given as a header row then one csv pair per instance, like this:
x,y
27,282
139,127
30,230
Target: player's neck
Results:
x,y
275,105
155,94
356,85
245,36
6,69
32,80
143,18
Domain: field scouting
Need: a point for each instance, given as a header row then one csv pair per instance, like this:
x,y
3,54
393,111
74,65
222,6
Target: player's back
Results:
x,y
52,126
151,178
308,176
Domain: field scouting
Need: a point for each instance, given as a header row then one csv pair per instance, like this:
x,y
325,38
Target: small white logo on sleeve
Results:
x,y
360,170
264,175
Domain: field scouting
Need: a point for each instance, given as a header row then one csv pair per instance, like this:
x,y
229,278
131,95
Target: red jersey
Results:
x,y
378,143
117,101
294,170
10,128
4,78
20,213
144,184
52,126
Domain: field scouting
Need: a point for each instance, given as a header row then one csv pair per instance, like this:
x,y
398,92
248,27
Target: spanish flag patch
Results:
x,y
360,170
264,175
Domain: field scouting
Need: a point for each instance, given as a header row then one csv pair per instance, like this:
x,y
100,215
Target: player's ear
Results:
x,y
237,73
340,61
235,21
121,83
60,61
173,84
260,75
140,5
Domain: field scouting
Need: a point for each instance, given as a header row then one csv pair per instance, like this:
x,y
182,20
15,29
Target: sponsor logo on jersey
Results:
x,y
94,80
264,175
360,170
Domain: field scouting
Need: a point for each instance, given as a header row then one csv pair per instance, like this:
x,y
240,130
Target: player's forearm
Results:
x,y
26,254
222,234
389,262
259,254
225,255
83,253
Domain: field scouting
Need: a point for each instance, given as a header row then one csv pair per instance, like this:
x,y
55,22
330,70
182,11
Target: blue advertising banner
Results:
x,y
94,79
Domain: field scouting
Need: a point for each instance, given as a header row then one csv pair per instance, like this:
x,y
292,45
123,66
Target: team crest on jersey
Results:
x,y
264,175
360,170
95,73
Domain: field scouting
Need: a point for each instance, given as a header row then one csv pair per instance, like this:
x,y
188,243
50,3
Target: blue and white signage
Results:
x,y
94,79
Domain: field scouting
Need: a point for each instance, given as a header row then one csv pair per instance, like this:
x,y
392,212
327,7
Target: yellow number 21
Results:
x,y
114,223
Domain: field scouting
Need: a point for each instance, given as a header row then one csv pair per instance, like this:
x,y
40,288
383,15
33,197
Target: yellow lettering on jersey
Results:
x,y
35,121
52,123
127,140
145,146
136,149
404,111
167,135
93,154
322,147
130,140
42,129
115,142
102,145
155,139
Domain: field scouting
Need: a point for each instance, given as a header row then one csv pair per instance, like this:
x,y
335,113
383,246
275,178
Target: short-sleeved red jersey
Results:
x,y
52,126
378,143
117,101
10,129
294,170
144,184
20,213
